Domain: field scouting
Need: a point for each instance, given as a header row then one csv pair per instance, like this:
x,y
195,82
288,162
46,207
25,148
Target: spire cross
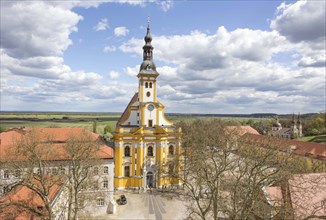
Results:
x,y
148,21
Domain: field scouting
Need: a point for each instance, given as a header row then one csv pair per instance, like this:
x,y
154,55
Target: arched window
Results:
x,y
150,85
127,151
150,151
127,171
146,84
171,150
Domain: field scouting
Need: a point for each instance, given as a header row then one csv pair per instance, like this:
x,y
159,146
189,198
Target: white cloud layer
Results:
x,y
224,72
33,73
235,71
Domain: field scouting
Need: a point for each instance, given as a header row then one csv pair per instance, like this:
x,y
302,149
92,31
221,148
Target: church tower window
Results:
x,y
146,84
150,85
127,151
171,150
148,94
150,151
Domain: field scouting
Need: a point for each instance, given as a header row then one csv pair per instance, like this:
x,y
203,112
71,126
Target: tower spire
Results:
x,y
293,119
148,65
148,22
299,118
148,49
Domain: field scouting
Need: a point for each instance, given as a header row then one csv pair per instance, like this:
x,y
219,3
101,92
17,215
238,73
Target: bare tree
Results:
x,y
82,171
224,173
40,162
29,161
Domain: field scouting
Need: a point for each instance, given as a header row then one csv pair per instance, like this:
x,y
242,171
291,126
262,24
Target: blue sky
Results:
x,y
212,56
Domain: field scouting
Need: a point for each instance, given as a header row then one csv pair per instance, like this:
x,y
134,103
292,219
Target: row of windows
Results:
x,y
99,202
148,85
52,171
127,170
149,151
4,189
105,170
6,174
95,185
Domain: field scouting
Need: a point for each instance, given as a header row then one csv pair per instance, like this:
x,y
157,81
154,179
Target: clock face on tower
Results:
x,y
150,107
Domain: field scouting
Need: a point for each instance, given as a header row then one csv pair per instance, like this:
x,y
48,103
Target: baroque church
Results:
x,y
290,133
145,141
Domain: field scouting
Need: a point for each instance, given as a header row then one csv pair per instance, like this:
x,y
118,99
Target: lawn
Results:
x,y
317,138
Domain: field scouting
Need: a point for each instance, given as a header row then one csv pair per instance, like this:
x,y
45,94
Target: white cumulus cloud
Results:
x,y
102,25
234,70
121,31
301,21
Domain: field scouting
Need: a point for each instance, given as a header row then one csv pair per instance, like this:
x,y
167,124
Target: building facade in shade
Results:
x,y
53,144
145,141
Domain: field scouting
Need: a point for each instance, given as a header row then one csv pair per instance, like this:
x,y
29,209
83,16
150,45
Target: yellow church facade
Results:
x,y
146,143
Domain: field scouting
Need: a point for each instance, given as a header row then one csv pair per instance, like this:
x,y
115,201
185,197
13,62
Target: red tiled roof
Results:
x,y
310,149
274,195
307,193
27,197
51,141
241,130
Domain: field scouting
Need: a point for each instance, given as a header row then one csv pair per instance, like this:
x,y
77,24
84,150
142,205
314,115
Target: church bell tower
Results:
x,y
144,139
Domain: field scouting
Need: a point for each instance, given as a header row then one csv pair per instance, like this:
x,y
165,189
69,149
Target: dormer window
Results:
x,y
148,67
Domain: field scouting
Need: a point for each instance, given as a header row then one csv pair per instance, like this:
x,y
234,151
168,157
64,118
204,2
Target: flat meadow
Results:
x,y
82,120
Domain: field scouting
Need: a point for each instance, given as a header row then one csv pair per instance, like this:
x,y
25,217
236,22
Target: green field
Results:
x,y
84,120
317,138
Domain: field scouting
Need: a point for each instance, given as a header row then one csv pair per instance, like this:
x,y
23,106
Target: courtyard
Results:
x,y
146,205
